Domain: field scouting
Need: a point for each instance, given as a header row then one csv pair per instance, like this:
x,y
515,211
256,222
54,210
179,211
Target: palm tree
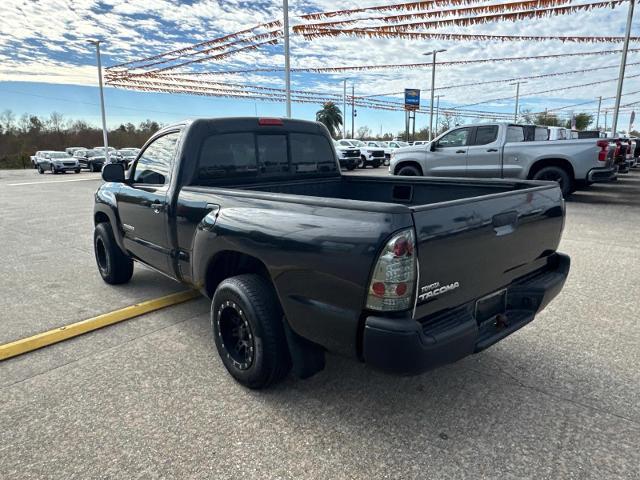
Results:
x,y
330,116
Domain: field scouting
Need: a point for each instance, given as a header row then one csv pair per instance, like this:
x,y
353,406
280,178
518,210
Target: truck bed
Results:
x,y
409,191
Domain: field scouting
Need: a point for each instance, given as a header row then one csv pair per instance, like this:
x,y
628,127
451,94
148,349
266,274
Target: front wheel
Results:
x,y
114,266
409,171
363,162
77,170
248,331
375,163
53,169
40,170
556,174
92,167
351,166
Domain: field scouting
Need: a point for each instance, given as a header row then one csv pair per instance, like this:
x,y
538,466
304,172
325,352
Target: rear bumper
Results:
x,y
407,346
602,174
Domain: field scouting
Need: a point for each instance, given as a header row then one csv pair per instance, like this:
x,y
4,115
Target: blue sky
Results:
x,y
46,64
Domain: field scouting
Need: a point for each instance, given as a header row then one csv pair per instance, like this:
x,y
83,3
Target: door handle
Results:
x,y
157,207
461,151
492,150
505,223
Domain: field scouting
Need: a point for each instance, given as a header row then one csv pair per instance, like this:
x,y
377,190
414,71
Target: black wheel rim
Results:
x,y
101,255
236,336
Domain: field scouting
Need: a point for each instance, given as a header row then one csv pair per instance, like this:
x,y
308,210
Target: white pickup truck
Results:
x,y
499,150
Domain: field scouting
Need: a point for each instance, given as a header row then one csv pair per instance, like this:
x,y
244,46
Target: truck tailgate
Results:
x,y
473,247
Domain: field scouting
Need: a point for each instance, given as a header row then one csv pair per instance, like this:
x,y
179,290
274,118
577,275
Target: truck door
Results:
x,y
484,155
142,203
448,157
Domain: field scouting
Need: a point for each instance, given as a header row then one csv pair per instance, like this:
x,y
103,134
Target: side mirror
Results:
x,y
113,172
432,146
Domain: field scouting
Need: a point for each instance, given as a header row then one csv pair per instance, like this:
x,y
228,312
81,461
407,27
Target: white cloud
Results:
x,y
44,40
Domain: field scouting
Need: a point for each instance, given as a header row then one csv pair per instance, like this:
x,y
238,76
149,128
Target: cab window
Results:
x,y
486,134
457,138
515,134
154,165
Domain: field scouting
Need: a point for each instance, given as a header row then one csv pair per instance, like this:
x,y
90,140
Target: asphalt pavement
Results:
x,y
149,398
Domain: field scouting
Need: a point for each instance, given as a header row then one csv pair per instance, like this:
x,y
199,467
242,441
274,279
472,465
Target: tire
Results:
x,y
92,167
77,170
351,166
363,162
114,266
53,169
375,163
409,171
246,319
40,170
557,174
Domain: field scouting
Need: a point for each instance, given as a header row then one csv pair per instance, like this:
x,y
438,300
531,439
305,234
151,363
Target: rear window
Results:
x,y
242,155
227,155
515,134
486,134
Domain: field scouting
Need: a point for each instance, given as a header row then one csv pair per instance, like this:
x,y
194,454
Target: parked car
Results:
x,y
91,159
348,157
385,149
126,156
370,156
39,156
535,133
57,162
559,133
498,150
300,260
71,150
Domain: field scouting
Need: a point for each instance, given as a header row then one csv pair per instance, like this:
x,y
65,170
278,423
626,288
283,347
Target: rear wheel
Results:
x,y
114,266
409,171
248,331
556,174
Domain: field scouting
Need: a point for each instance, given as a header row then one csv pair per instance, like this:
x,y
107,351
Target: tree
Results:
x,y
330,116
7,119
149,126
583,120
363,132
447,121
55,122
547,119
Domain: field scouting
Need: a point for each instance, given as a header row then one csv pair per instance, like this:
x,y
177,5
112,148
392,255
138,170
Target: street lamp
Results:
x,y
438,110
515,114
104,120
287,63
344,106
623,65
433,86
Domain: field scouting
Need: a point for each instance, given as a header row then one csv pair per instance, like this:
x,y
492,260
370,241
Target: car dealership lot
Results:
x,y
150,398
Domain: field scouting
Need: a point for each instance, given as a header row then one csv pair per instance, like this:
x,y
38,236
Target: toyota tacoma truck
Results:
x,y
404,274
501,150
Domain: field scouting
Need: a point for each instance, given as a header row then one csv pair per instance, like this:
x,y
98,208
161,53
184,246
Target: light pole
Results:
x,y
104,119
438,110
598,116
287,63
344,107
353,110
623,64
515,114
433,86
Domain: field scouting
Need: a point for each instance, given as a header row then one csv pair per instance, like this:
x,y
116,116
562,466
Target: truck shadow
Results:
x,y
624,191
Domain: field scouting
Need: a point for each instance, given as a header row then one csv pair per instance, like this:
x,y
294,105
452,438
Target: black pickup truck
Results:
x,y
404,274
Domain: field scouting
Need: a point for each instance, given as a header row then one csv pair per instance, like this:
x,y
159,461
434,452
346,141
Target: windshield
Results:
x,y
95,153
403,144
57,155
358,143
128,152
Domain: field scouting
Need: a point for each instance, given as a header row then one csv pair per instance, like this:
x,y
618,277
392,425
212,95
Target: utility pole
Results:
x,y
598,115
104,117
623,64
353,111
287,63
433,87
515,114
605,121
437,111
344,108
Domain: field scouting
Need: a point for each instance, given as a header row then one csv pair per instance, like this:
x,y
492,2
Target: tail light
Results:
x,y
270,121
394,276
604,148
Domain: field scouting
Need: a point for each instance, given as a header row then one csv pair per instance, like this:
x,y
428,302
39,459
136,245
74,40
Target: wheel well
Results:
x,y
552,162
229,264
100,217
409,163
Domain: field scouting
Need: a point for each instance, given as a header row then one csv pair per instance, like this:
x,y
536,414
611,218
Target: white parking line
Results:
x,y
54,181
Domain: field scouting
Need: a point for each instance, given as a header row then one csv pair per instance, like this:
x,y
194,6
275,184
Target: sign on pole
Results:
x,y
411,99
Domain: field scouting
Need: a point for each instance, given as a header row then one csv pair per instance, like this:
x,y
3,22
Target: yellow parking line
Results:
x,y
44,339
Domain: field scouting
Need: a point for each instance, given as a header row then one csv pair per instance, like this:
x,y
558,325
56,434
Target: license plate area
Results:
x,y
490,306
